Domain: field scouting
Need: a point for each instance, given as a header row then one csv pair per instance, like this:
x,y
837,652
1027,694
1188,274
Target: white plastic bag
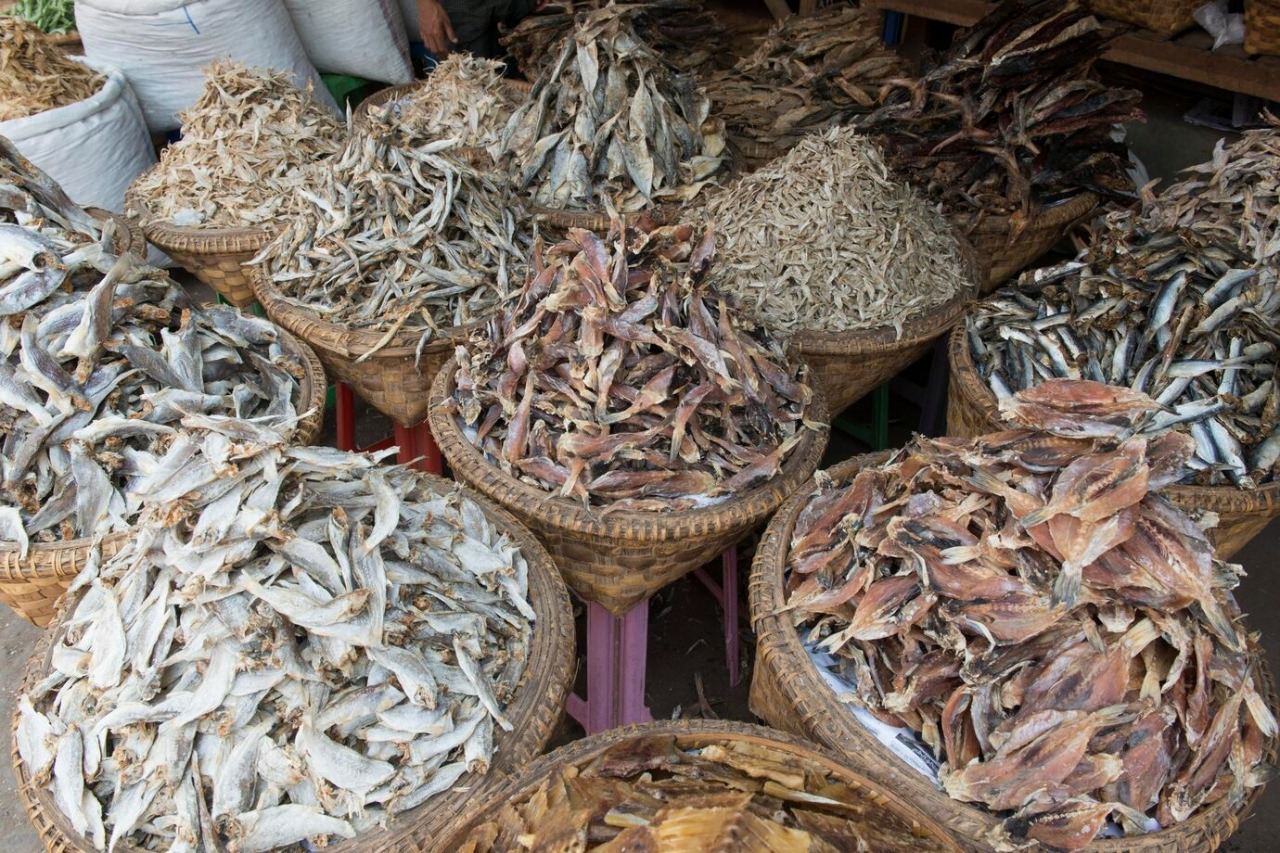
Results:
x,y
94,148
1225,27
163,46
363,38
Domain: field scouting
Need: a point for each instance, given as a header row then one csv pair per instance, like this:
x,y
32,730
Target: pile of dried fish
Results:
x,y
652,793
304,646
398,234
807,73
1013,114
681,30
1054,629
33,200
611,119
824,238
619,377
50,16
99,360
1189,322
35,76
248,148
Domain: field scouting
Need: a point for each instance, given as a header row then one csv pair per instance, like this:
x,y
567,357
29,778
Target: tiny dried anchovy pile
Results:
x,y
611,119
36,76
655,795
1192,323
249,143
809,72
35,201
1055,630
1014,114
400,234
50,16
619,377
825,239
302,647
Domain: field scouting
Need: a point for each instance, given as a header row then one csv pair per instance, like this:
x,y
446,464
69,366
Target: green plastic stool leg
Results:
x,y
875,433
331,397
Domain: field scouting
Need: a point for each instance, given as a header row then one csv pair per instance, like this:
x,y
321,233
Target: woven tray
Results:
x,y
1262,27
619,559
789,693
692,734
1242,513
534,712
1001,256
33,586
1163,17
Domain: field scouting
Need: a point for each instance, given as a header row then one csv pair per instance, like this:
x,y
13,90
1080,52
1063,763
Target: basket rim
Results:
x,y
584,750
536,704
778,640
192,239
44,551
632,525
1052,215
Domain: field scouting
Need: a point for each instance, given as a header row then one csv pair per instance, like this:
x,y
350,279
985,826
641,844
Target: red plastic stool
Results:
x,y
617,652
416,446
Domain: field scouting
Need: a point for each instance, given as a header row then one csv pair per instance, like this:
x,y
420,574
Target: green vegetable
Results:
x,y
52,16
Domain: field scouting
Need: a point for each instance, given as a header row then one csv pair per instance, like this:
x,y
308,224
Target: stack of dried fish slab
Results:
x,y
249,144
1013,114
304,646
1192,323
1054,629
35,76
398,233
619,377
807,73
36,202
825,239
652,792
611,119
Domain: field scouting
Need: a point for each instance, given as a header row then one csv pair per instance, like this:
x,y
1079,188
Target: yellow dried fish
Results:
x,y
35,76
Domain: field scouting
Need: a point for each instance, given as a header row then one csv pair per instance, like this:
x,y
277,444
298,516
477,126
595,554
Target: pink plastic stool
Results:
x,y
617,652
416,446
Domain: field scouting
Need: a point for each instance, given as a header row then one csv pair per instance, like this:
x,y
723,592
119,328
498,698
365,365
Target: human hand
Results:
x,y
435,28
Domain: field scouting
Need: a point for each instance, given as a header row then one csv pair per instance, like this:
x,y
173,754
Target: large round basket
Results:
x,y
128,235
972,409
1003,254
395,380
618,559
214,255
534,712
32,586
652,738
789,693
561,220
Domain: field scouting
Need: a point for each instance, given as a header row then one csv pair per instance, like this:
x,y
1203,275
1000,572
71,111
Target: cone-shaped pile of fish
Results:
x,y
649,793
611,119
1014,113
1190,322
808,73
1055,630
618,376
399,234
304,646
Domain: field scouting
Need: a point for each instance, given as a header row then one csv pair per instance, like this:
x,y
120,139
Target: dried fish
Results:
x,y
249,143
618,377
274,672
36,76
1055,630
611,119
36,202
824,238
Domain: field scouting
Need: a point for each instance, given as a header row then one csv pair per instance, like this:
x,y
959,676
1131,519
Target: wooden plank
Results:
x,y
962,13
781,11
808,7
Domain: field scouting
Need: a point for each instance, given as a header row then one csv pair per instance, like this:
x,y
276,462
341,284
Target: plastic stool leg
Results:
x,y
407,444
346,417
426,444
933,411
616,656
729,601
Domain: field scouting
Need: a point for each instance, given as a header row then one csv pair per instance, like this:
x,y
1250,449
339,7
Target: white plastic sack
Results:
x,y
1226,28
363,38
94,148
163,46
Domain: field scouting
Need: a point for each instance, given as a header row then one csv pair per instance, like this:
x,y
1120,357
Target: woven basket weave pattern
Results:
x,y
1262,27
1002,255
1163,17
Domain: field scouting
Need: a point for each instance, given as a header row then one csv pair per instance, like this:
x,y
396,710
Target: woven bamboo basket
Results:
x,y
1242,513
214,255
749,155
619,559
1262,27
693,734
393,380
1163,17
534,711
32,586
1002,254
128,234
789,693
562,219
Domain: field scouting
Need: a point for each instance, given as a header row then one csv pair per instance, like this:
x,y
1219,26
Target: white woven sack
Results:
x,y
363,38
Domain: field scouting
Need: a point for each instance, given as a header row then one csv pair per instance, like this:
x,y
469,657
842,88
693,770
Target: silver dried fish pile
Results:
x,y
826,239
611,118
249,142
399,233
303,647
1190,322
33,200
